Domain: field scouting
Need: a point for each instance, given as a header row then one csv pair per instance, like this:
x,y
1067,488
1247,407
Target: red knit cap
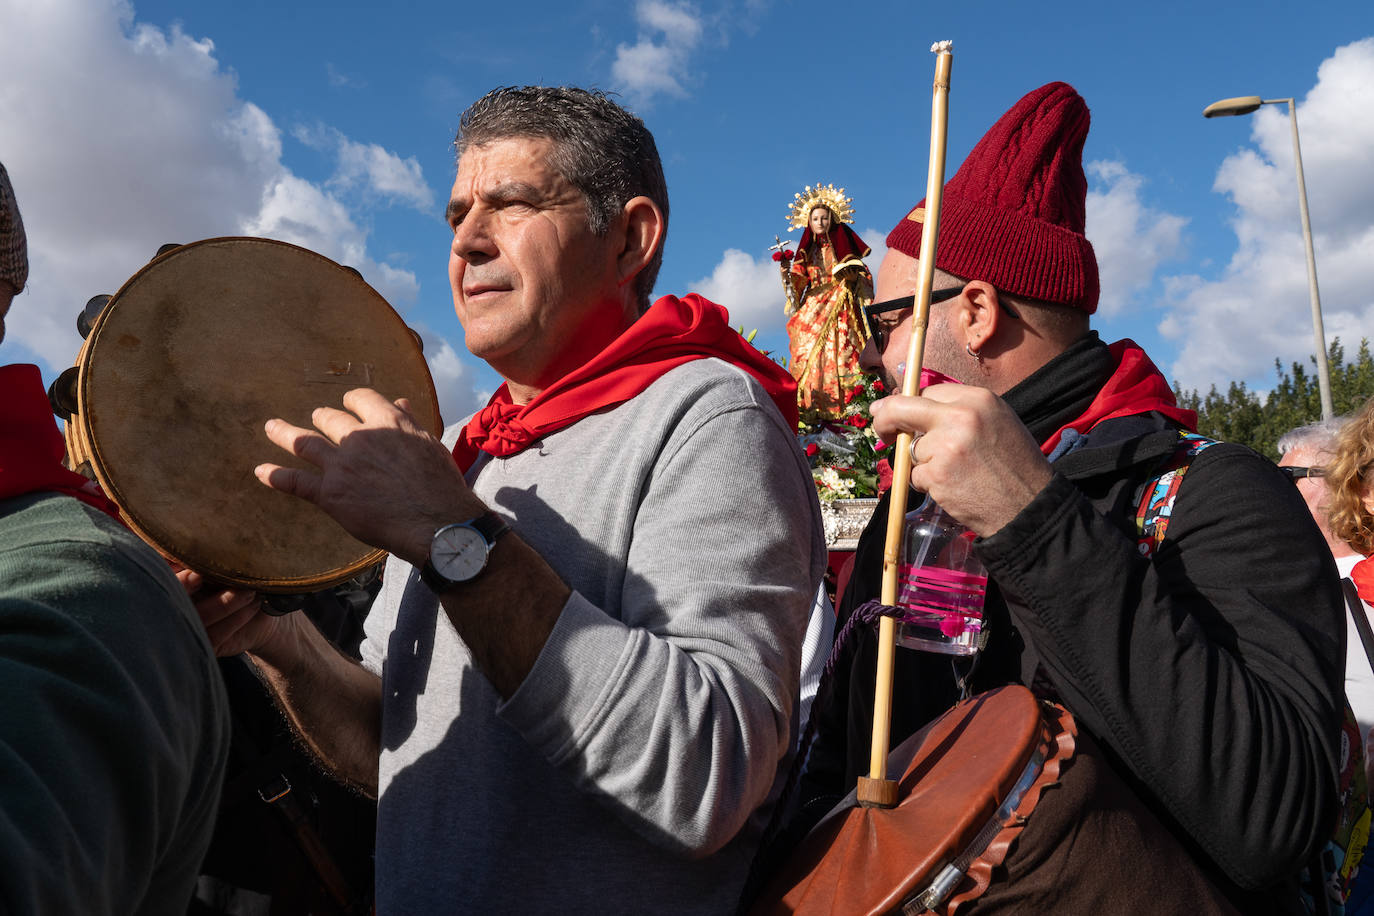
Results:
x,y
1013,213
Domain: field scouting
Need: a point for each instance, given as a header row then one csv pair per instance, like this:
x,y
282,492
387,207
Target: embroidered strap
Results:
x,y
1157,495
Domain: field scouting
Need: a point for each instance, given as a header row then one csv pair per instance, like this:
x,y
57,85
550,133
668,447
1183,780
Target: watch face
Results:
x,y
458,552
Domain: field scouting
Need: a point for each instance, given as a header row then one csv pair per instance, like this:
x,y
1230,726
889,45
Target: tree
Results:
x,y
1239,416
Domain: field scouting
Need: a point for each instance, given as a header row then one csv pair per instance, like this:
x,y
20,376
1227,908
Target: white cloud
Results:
x,y
679,24
876,239
385,172
370,167
453,381
1129,238
340,80
159,148
1233,327
658,61
751,288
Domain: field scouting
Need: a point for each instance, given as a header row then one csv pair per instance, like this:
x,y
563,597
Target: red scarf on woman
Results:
x,y
1135,387
31,447
672,332
1362,574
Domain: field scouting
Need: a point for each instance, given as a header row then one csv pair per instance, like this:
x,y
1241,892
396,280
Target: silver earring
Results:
x,y
968,348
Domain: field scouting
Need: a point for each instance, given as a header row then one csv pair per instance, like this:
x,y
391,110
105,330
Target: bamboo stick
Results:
x,y
876,790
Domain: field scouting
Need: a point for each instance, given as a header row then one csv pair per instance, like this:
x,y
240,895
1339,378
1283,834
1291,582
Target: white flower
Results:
x,y
832,485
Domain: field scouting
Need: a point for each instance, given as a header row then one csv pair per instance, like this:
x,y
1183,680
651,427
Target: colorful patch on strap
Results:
x,y
1157,495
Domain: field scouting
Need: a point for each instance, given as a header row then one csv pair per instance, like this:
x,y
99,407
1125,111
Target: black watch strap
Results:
x,y
489,525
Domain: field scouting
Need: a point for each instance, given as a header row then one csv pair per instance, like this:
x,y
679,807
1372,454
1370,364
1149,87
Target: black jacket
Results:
x,y
1211,674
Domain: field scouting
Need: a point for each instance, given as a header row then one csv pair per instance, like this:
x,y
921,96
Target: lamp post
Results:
x,y
1244,105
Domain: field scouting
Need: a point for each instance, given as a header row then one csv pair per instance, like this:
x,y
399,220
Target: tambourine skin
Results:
x,y
186,364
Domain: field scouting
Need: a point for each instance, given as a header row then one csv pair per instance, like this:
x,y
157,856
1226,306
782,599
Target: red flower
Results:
x,y
858,421
788,254
777,256
811,449
878,385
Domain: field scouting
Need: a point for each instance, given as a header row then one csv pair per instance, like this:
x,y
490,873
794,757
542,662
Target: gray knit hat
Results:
x,y
14,250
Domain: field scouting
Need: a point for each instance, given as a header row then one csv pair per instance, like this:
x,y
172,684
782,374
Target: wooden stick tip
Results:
x,y
876,793
939,46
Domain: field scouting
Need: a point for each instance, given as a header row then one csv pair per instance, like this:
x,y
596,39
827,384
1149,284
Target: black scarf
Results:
x,y
1063,388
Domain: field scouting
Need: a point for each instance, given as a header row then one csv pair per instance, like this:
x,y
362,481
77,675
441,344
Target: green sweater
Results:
x,y
113,718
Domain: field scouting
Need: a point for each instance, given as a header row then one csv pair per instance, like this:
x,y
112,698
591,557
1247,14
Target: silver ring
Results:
x,y
911,449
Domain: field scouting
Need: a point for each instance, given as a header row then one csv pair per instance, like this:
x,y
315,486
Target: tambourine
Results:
x,y
183,366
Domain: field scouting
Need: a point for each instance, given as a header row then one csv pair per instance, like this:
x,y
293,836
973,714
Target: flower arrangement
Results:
x,y
846,462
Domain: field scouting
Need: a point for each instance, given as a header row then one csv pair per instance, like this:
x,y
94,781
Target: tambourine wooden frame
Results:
x,y
292,330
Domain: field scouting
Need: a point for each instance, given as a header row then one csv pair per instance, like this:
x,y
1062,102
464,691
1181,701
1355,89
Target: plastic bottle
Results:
x,y
940,584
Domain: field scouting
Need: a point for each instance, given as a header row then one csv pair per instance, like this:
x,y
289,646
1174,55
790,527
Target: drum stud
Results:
x,y
169,246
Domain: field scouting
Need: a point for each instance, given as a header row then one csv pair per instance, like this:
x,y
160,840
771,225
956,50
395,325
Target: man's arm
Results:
x,y
332,702
677,708
391,484
1212,671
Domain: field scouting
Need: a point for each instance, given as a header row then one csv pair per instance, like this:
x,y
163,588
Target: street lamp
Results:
x,y
1244,105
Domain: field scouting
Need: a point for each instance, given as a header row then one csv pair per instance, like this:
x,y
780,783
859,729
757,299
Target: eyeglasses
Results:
x,y
1295,473
880,331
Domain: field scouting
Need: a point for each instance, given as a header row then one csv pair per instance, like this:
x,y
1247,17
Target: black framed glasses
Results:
x,y
1295,473
880,330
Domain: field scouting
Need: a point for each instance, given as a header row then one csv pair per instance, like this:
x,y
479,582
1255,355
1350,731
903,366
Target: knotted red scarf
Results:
x,y
672,332
31,447
1363,576
1135,387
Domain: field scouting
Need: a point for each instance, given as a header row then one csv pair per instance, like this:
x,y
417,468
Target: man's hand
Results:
x,y
233,617
382,476
973,455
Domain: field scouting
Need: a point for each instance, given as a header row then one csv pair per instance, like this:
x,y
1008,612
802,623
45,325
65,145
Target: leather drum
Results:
x,y
970,780
183,367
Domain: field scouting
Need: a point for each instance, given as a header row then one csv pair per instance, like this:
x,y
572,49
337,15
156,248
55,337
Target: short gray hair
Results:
x,y
599,148
1319,436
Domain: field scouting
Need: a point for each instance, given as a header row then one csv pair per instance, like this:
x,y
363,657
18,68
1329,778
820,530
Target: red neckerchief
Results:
x,y
672,332
1362,574
1135,387
31,447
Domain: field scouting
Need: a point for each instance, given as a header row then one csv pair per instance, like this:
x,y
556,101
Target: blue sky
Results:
x,y
126,125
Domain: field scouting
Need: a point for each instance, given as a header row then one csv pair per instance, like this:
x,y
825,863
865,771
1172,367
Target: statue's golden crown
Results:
x,y
822,195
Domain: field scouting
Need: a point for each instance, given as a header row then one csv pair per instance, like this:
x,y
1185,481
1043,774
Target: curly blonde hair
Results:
x,y
1350,478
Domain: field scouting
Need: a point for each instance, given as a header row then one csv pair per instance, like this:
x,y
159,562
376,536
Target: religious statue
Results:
x,y
827,288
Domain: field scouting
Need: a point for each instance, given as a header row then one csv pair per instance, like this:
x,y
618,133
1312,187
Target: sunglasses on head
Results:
x,y
879,331
1294,473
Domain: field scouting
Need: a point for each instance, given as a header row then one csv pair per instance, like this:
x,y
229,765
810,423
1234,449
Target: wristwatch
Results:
x,y
457,553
